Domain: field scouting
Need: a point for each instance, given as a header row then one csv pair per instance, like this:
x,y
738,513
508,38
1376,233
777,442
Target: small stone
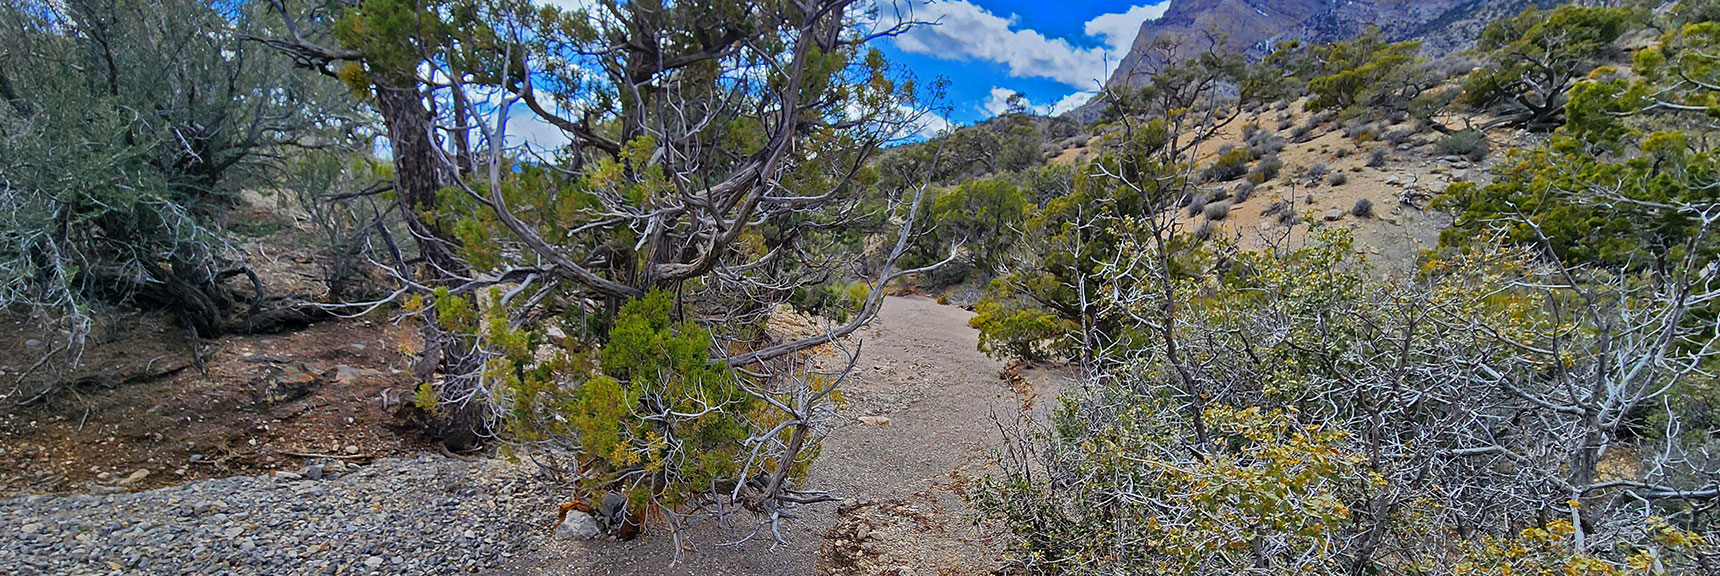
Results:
x,y
1334,214
373,562
314,471
284,475
875,420
32,528
233,531
135,477
33,343
348,375
352,449
577,526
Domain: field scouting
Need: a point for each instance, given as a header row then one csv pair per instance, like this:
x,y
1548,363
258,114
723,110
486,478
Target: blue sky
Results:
x,y
1054,53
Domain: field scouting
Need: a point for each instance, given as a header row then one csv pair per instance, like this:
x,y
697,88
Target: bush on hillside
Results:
x,y
1470,144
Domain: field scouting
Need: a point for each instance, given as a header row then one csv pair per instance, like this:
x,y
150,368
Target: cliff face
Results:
x,y
1254,26
1195,25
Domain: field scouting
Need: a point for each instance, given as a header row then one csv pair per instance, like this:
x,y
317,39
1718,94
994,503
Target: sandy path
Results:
x,y
902,512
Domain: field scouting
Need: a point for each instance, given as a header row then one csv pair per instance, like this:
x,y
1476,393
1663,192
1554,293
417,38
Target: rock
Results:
x,y
314,471
1405,147
284,475
373,562
135,477
1334,214
33,343
352,449
344,374
233,532
578,526
875,420
1393,181
285,384
32,528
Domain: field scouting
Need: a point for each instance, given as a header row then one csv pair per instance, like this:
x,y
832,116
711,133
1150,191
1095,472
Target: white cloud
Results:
x,y
998,102
965,31
1119,30
1071,102
927,125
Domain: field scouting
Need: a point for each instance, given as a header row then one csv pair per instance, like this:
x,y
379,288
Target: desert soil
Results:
x,y
915,430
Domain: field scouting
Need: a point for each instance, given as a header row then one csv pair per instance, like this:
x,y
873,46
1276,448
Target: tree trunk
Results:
x,y
418,174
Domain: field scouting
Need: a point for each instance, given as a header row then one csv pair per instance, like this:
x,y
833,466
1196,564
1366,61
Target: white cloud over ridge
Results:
x,y
1119,30
998,102
961,30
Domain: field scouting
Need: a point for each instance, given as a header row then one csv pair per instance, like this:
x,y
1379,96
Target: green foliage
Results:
x,y
1367,74
983,216
1291,459
1536,56
1631,138
1272,479
1228,166
651,415
1007,329
126,130
1471,144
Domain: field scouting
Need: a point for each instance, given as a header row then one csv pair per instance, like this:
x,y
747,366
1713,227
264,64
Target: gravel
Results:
x,y
428,515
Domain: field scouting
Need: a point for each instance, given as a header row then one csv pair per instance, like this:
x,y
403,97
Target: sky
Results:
x,y
1054,53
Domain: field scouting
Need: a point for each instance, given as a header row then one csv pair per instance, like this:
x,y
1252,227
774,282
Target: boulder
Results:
x,y
578,526
283,384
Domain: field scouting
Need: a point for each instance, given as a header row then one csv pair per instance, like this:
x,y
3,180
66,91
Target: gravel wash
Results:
x,y
428,515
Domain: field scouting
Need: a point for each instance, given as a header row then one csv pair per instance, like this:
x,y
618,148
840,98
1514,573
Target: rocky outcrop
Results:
x,y
1255,26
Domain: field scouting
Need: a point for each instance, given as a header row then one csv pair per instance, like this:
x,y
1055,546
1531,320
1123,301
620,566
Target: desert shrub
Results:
x,y
1339,179
1399,137
1364,208
1302,133
1196,203
1262,144
1378,157
1283,211
1471,144
1229,166
1244,191
127,131
1217,211
1267,169
1317,173
1281,105
1341,153
1358,129
1019,332
1205,230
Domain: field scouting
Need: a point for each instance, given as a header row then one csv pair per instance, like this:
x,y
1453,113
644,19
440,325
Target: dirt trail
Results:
x,y
901,481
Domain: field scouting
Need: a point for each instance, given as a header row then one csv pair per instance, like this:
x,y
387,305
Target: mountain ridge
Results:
x,y
1255,26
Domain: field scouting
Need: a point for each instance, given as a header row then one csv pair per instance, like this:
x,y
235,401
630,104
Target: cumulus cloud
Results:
x,y
1119,30
962,30
998,102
